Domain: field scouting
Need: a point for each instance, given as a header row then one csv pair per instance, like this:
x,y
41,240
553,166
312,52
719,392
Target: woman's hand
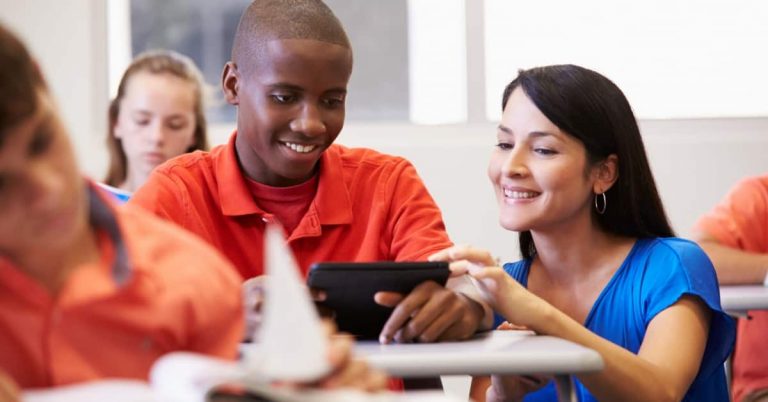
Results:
x,y
500,290
513,387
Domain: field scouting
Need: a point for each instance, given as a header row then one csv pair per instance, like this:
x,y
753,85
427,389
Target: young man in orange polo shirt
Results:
x,y
291,61
88,291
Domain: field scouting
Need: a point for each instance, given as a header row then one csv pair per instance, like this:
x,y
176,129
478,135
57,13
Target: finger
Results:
x,y
8,390
318,295
404,311
442,310
352,374
388,299
459,268
377,381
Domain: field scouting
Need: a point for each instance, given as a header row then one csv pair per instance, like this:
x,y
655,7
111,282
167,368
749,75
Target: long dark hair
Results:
x,y
155,62
592,109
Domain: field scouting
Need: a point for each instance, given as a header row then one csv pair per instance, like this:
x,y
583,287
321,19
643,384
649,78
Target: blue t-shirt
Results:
x,y
656,274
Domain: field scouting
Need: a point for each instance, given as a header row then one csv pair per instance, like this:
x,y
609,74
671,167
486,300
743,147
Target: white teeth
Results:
x,y
519,194
302,149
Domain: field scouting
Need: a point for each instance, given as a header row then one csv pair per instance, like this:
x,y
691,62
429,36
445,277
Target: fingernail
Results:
x,y
383,339
474,268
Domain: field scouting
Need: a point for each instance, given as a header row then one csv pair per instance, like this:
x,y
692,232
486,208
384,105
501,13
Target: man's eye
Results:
x,y
280,98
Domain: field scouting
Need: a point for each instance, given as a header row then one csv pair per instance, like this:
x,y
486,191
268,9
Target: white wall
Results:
x,y
68,38
695,161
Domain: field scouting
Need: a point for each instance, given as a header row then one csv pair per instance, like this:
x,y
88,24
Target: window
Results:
x,y
447,61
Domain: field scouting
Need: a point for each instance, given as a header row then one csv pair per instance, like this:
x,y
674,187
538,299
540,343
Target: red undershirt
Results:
x,y
287,204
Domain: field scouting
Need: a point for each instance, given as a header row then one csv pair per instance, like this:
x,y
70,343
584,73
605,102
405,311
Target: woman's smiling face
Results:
x,y
539,172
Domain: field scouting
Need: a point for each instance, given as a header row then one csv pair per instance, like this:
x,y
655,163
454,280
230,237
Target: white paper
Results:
x,y
292,343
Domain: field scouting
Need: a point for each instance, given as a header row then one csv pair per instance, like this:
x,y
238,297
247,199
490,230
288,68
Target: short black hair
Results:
x,y
591,108
20,80
266,20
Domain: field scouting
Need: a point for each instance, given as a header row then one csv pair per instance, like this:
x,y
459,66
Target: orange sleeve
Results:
x,y
740,220
217,312
416,223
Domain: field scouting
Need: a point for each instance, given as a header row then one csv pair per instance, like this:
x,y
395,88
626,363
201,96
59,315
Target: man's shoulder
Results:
x,y
164,248
357,157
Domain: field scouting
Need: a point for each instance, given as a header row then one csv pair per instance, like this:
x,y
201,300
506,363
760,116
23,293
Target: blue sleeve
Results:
x,y
676,268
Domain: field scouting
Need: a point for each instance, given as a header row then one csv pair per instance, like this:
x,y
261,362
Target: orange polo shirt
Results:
x,y
156,290
368,207
740,221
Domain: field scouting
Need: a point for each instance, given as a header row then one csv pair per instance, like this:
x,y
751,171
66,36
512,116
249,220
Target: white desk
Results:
x,y
737,300
496,352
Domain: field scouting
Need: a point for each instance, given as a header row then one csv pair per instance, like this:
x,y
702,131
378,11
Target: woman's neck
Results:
x,y
572,252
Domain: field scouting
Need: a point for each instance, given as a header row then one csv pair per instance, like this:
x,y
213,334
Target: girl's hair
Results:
x,y
592,109
155,62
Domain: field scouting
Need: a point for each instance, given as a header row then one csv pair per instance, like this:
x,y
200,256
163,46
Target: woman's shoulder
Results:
x,y
518,270
668,253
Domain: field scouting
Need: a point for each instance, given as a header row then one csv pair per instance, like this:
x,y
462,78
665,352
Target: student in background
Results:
x,y
88,291
157,114
600,266
291,61
735,236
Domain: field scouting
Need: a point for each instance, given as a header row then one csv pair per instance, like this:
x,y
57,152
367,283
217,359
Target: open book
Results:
x,y
292,347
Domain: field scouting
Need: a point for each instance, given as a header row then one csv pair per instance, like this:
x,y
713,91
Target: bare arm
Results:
x,y
734,266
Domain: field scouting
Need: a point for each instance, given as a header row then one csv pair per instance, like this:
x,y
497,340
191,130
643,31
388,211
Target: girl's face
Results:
x,y
539,173
156,121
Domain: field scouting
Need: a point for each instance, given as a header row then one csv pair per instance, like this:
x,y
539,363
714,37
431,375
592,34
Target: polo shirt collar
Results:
x,y
332,201
234,197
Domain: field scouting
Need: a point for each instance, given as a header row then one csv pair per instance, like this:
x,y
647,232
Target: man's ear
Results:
x,y
230,83
606,174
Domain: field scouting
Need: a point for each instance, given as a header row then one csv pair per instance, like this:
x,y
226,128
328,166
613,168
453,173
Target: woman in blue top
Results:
x,y
600,266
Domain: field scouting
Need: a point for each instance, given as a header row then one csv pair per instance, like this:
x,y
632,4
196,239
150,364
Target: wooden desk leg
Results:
x,y
566,392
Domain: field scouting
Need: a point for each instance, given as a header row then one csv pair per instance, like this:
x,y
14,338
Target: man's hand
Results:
x,y
429,313
9,392
346,370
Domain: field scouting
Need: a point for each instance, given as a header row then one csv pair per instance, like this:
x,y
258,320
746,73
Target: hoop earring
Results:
x,y
600,210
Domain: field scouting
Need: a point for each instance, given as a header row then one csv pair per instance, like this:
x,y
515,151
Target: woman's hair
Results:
x,y
155,62
592,109
20,81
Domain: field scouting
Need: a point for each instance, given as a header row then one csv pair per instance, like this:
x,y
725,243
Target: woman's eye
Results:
x,y
544,151
504,146
142,122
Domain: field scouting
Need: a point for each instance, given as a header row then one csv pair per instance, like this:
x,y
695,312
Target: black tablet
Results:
x,y
350,287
